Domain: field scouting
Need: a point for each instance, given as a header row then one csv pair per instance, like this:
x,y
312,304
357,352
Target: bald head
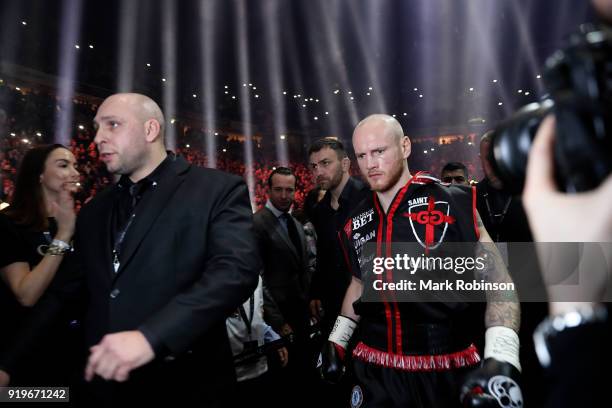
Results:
x,y
381,150
385,123
142,107
130,134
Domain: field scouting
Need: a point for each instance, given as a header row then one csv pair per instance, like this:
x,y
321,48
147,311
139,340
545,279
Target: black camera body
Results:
x,y
578,79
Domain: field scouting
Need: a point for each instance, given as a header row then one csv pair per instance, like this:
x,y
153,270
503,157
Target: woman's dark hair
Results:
x,y
28,206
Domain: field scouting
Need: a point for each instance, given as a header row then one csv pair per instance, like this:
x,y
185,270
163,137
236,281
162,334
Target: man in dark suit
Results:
x,y
282,246
168,254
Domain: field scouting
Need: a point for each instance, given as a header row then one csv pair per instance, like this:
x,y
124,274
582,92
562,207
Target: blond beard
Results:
x,y
395,176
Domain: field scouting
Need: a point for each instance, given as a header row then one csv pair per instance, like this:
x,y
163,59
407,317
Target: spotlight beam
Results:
x,y
207,9
127,44
367,58
290,45
245,103
480,20
68,61
273,57
522,18
335,53
169,67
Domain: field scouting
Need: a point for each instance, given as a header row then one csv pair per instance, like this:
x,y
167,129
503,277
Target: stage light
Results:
x,y
68,67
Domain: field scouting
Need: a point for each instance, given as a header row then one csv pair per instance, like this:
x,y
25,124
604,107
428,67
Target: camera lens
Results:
x,y
511,142
579,81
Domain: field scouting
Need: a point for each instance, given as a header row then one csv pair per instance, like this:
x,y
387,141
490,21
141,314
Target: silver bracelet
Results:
x,y
60,243
56,250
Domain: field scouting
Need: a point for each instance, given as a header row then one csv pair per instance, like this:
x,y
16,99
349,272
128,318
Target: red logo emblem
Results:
x,y
430,218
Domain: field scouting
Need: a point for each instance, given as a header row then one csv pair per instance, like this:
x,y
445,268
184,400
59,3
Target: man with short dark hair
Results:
x,y
281,242
455,173
282,246
330,167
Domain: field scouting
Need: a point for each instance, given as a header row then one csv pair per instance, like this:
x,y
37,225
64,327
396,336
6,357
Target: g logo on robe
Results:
x,y
429,222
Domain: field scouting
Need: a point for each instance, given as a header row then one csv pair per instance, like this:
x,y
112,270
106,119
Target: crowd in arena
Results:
x,y
27,118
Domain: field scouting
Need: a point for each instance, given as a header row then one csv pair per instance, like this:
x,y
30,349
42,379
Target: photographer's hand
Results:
x,y
558,217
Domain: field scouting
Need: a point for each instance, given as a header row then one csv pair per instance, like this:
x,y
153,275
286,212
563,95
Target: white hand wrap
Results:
x,y
342,331
502,343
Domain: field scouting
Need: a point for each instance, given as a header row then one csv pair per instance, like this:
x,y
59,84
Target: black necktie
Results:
x,y
293,233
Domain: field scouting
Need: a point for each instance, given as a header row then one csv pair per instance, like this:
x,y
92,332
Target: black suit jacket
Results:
x,y
285,271
189,260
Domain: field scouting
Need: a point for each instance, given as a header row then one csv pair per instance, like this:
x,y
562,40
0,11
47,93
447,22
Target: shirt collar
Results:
x,y
277,213
153,178
345,195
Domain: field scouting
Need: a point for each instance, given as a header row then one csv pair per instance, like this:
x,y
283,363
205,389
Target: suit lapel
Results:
x,y
301,233
103,222
147,213
277,231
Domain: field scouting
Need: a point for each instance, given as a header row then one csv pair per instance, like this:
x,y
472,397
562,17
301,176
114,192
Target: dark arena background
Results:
x,y
246,86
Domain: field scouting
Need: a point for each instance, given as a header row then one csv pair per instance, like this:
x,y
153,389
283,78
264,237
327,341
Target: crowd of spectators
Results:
x,y
28,117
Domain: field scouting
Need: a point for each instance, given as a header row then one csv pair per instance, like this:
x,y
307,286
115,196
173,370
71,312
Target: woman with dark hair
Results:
x,y
35,259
